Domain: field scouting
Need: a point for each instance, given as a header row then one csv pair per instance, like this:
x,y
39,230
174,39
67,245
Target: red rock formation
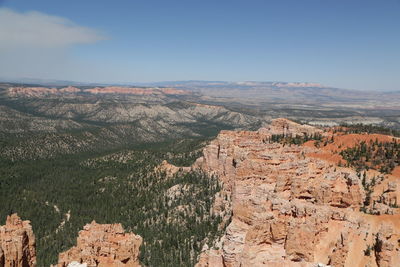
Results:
x,y
70,89
286,127
1,257
292,209
103,245
17,243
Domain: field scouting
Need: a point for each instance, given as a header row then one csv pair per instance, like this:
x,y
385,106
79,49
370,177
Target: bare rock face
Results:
x,y
1,257
386,246
17,243
103,245
291,209
170,169
287,127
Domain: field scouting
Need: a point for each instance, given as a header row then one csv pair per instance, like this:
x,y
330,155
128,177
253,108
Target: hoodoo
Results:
x,y
17,243
103,245
293,208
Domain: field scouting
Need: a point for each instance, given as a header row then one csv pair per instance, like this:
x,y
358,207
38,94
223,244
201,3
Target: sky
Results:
x,y
352,44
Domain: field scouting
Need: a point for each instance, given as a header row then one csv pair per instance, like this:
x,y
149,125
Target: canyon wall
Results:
x,y
290,208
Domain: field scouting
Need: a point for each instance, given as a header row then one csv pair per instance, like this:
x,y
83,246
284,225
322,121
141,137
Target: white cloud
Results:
x,y
35,29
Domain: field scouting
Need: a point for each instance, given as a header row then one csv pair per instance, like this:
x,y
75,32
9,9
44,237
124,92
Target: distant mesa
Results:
x,y
300,85
135,91
70,90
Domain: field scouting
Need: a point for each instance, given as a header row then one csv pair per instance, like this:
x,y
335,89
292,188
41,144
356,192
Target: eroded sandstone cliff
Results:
x,y
103,245
17,243
97,245
291,207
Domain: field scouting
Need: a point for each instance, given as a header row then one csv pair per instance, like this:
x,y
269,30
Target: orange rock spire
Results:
x,y
17,243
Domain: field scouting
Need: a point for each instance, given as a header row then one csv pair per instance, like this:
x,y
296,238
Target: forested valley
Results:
x,y
62,194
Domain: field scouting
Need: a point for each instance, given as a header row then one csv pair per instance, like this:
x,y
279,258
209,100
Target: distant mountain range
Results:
x,y
183,83
254,92
272,93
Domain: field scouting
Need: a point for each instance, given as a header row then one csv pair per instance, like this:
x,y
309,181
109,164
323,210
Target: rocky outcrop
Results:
x,y
17,243
170,169
288,127
1,257
386,246
291,209
97,245
103,245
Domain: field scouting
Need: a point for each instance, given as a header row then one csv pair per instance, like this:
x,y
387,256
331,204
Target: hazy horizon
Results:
x,y
57,82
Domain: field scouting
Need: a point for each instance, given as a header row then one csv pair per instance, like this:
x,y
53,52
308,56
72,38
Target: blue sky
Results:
x,y
342,43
